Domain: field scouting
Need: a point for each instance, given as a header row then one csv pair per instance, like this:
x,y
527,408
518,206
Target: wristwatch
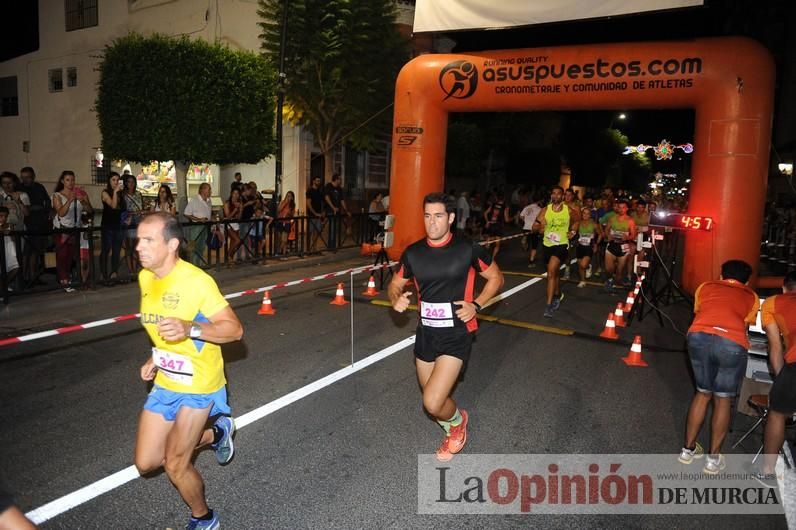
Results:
x,y
477,306
196,331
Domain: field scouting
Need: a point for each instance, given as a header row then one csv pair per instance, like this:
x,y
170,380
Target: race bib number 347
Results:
x,y
176,367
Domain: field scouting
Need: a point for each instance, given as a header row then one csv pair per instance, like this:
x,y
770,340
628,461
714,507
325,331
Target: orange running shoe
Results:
x,y
458,436
443,453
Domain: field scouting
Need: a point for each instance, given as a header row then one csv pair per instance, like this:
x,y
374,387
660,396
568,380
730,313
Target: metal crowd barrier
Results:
x,y
207,245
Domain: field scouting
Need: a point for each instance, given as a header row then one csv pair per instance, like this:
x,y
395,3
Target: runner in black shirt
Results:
x,y
496,217
443,269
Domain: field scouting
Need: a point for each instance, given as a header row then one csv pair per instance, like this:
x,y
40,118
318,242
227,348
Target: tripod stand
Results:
x,y
381,259
662,262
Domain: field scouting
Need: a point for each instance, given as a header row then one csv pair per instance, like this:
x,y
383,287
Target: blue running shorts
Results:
x,y
167,403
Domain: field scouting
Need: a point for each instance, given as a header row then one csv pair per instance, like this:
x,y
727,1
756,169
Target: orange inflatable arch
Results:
x,y
728,81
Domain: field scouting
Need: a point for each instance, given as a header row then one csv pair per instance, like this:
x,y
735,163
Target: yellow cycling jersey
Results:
x,y
190,366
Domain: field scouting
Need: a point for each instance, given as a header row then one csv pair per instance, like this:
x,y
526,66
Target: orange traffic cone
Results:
x,y
266,308
339,296
610,328
634,357
619,316
629,301
371,288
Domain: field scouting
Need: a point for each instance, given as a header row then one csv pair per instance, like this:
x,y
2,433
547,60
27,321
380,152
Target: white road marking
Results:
x,y
111,482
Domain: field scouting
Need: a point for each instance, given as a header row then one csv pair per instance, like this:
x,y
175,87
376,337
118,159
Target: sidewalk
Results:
x,y
44,311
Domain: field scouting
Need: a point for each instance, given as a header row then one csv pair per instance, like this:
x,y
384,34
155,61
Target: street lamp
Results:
x,y
621,116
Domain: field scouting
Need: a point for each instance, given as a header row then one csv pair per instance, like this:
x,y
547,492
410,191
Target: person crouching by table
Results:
x,y
718,347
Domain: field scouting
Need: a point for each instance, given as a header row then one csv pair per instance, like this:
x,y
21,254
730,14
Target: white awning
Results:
x,y
451,15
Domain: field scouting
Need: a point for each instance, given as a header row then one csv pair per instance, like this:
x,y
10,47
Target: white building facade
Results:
x,y
55,127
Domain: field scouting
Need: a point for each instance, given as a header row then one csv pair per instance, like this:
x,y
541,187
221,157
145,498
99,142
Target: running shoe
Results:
x,y
566,273
689,455
557,302
458,436
443,451
609,286
581,285
714,464
548,311
588,271
199,524
224,448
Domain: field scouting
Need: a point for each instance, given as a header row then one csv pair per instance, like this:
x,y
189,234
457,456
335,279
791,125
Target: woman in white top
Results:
x,y
375,208
165,201
69,202
16,201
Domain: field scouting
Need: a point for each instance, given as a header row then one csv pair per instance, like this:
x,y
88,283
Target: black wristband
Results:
x,y
477,306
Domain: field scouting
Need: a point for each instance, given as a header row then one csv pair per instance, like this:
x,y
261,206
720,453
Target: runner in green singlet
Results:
x,y
620,230
558,223
589,236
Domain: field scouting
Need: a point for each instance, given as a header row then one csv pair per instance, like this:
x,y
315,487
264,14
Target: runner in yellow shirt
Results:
x,y
186,318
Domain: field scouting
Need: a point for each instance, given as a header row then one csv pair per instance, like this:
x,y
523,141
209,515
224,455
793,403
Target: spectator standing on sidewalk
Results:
x,y
237,183
462,214
198,210
11,262
285,224
250,200
717,345
233,208
315,213
375,209
69,201
15,200
164,202
112,235
335,205
38,218
133,211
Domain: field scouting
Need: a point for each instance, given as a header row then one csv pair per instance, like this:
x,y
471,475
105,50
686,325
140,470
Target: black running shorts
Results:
x,y
559,251
782,396
584,251
430,343
494,230
615,248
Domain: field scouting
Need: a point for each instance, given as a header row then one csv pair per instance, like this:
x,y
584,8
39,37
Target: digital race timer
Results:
x,y
683,221
694,222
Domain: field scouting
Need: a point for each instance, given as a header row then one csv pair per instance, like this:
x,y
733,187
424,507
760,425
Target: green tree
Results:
x,y
595,156
164,98
341,61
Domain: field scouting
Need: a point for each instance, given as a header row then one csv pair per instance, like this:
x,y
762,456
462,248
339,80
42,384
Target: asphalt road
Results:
x,y
345,456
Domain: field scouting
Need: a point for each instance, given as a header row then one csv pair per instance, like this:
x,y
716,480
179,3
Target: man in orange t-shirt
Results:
x,y
718,346
779,320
